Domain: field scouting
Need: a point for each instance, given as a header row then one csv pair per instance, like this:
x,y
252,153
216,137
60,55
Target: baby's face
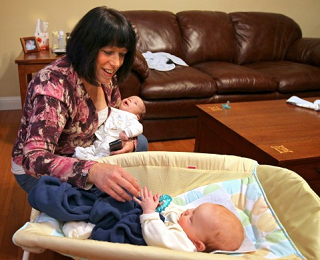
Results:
x,y
133,105
212,222
194,221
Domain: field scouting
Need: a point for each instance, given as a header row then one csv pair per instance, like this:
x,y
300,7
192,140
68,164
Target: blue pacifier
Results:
x,y
164,200
226,106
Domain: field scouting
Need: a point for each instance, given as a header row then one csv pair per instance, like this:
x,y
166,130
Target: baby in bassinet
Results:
x,y
206,228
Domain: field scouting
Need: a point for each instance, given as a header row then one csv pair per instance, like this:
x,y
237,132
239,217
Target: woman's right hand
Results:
x,y
113,180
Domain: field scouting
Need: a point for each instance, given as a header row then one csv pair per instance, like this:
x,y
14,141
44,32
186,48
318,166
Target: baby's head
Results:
x,y
134,105
212,227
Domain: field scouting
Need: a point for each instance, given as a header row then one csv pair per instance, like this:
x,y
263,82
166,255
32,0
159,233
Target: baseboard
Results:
x,y
10,103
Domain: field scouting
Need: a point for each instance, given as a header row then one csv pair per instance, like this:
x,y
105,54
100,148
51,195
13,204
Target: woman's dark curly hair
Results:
x,y
100,27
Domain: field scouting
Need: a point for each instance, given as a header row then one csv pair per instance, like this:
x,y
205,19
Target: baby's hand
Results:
x,y
148,202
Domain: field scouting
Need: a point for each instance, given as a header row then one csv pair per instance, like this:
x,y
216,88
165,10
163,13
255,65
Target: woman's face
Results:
x,y
108,61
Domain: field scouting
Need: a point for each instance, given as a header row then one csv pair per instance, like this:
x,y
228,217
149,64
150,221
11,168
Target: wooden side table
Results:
x,y
29,63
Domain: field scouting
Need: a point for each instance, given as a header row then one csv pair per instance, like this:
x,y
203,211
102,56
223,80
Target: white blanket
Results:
x,y
162,61
294,100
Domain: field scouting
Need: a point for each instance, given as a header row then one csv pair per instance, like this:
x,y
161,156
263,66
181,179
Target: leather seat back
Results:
x,y
157,31
263,36
207,36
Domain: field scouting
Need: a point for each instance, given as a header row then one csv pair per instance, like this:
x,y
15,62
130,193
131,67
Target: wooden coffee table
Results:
x,y
271,132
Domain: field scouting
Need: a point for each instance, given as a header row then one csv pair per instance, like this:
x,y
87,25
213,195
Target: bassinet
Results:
x,y
289,197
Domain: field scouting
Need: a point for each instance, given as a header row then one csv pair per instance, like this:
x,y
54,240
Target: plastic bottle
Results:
x,y
61,40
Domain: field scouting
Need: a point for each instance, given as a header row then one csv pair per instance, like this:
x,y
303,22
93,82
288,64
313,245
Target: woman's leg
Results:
x,y
142,145
26,182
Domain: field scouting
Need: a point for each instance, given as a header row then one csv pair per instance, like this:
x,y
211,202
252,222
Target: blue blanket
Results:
x,y
115,221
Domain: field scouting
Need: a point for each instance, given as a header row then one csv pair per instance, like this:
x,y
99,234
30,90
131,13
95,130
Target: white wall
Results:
x,y
18,19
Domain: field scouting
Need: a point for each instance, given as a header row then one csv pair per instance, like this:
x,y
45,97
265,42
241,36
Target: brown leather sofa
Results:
x,y
239,56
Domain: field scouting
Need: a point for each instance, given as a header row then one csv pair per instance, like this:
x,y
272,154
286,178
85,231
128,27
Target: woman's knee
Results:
x,y
26,182
142,143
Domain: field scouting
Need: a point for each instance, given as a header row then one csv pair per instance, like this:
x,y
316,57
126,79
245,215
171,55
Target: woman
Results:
x,y
63,102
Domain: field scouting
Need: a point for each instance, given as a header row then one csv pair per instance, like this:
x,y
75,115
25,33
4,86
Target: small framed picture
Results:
x,y
29,44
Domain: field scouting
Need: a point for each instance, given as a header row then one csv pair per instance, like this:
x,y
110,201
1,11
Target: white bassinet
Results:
x,y
277,207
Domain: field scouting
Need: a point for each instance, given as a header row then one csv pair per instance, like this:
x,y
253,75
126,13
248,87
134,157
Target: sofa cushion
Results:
x,y
207,36
157,31
263,36
233,78
182,82
240,97
174,108
292,77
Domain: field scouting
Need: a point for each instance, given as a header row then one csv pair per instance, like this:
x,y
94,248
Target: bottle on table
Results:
x,y
61,40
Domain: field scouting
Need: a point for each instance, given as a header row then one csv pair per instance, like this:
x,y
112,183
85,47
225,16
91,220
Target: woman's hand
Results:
x,y
113,180
127,147
148,202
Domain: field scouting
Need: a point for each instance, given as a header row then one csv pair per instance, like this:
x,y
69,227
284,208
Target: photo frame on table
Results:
x,y
29,44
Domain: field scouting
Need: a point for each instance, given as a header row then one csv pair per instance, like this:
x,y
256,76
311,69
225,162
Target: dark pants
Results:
x,y
142,145
26,181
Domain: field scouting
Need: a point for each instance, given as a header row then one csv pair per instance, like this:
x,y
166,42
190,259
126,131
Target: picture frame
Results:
x,y
29,44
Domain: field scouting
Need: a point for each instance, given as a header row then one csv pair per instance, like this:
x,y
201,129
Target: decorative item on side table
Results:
x,y
58,42
42,35
29,44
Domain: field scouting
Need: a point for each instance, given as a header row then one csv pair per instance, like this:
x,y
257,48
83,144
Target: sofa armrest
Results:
x,y
140,66
305,50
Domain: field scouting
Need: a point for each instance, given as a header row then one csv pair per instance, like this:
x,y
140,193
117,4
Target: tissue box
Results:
x,y
43,40
42,35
